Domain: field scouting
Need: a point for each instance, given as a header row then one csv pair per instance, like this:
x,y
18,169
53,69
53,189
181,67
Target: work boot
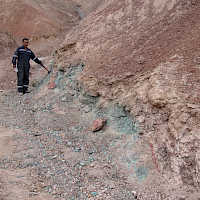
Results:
x,y
26,91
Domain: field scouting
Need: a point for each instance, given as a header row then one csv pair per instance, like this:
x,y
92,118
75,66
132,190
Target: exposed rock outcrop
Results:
x,y
144,55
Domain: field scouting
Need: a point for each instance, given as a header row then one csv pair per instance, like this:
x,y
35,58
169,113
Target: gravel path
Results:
x,y
60,156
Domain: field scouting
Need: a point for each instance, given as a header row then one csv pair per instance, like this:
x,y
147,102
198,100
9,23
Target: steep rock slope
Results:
x,y
145,56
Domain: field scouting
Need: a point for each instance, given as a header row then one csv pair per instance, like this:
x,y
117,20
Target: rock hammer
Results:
x,y
45,68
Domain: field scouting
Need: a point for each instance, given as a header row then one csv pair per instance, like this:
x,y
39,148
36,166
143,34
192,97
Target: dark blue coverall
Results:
x,y
22,57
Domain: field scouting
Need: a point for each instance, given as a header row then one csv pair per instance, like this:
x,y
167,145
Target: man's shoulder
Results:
x,y
28,49
21,48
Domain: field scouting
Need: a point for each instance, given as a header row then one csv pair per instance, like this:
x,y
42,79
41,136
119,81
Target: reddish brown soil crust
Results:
x,y
157,42
163,40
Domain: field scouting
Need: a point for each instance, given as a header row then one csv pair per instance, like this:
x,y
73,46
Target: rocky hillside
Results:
x,y
145,57
43,18
7,42
137,64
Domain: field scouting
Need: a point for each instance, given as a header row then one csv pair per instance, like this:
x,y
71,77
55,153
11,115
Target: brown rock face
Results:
x,y
7,42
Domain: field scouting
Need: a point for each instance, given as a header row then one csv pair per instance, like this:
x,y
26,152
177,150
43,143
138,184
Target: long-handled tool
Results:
x,y
45,68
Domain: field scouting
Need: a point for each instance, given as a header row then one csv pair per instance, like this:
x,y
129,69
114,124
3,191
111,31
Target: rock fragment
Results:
x,y
52,86
98,124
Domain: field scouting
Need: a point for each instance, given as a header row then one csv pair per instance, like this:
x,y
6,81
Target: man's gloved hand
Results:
x,y
16,69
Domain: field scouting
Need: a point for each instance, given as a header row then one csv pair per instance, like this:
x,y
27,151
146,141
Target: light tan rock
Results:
x,y
157,97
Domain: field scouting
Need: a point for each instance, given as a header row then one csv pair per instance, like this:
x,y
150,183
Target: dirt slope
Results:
x,y
135,37
7,42
42,18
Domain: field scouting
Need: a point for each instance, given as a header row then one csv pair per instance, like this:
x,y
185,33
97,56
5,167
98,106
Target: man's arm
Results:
x,y
37,61
34,58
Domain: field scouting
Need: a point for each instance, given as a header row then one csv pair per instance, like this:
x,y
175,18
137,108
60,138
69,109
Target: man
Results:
x,y
22,57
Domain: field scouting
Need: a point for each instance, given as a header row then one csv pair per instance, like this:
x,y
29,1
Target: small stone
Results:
x,y
64,99
134,193
82,163
111,186
77,149
52,86
69,143
37,134
33,193
94,194
92,165
54,157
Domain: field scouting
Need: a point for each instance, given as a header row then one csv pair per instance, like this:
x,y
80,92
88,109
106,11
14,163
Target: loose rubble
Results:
x,y
63,163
